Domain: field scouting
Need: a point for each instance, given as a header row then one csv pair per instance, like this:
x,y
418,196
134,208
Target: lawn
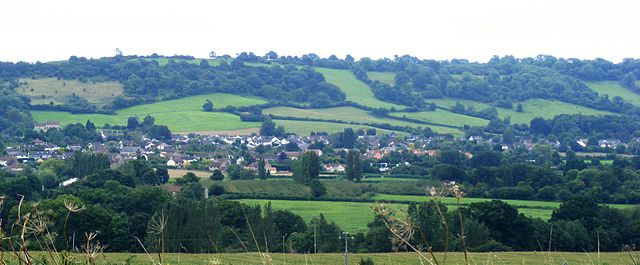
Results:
x,y
349,114
395,258
384,77
356,90
614,88
443,117
532,108
180,115
42,91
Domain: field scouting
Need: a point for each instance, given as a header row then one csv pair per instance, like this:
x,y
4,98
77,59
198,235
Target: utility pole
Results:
x,y
345,236
315,242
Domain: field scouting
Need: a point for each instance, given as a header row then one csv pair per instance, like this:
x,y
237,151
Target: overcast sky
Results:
x,y
47,30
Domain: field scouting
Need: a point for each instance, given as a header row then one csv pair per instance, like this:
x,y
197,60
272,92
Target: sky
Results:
x,y
45,30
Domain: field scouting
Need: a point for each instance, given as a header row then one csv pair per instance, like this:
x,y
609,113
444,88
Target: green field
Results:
x,y
532,108
613,89
392,258
443,117
180,115
356,90
350,114
306,127
43,91
384,77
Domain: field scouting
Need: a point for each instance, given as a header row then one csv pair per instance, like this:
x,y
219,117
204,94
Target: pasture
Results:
x,y
43,91
356,90
350,114
613,89
180,115
306,127
443,117
384,77
532,108
392,258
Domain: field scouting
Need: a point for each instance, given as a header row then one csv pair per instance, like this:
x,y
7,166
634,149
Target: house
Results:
x,y
583,142
173,189
218,165
375,154
130,150
68,182
254,166
43,126
334,168
609,143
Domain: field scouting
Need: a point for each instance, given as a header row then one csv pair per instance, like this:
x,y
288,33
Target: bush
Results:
x,y
217,175
216,190
491,246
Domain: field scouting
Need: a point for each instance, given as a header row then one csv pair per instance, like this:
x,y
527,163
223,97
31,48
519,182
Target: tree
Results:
x,y
90,126
262,171
148,121
307,168
268,128
519,108
216,175
187,178
132,123
212,54
353,170
539,125
271,56
208,106
629,81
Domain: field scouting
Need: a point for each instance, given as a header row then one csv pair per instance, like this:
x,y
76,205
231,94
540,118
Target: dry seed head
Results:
x,y
73,207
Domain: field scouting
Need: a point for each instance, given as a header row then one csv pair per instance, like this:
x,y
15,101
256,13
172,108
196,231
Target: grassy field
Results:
x,y
531,108
349,114
58,91
306,127
400,258
181,115
356,90
384,77
614,88
443,117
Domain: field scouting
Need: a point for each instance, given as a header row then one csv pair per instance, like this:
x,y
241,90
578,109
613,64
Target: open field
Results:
x,y
532,108
349,114
350,216
399,258
384,77
178,173
614,88
356,90
58,91
306,127
443,117
180,115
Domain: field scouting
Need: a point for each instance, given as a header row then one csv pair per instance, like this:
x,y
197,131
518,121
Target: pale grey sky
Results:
x,y
46,30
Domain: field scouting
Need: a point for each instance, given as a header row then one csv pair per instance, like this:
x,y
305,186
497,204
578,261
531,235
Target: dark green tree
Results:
x,y
132,123
262,171
208,106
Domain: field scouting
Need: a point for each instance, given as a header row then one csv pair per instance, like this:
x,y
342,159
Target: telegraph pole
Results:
x,y
315,242
345,236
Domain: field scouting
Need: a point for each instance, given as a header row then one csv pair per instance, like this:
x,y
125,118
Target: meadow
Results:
x,y
384,77
392,258
613,89
43,91
180,115
443,117
350,114
356,90
307,127
532,108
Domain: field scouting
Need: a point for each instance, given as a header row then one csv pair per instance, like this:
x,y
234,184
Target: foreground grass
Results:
x,y
532,108
356,90
43,91
528,258
180,115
